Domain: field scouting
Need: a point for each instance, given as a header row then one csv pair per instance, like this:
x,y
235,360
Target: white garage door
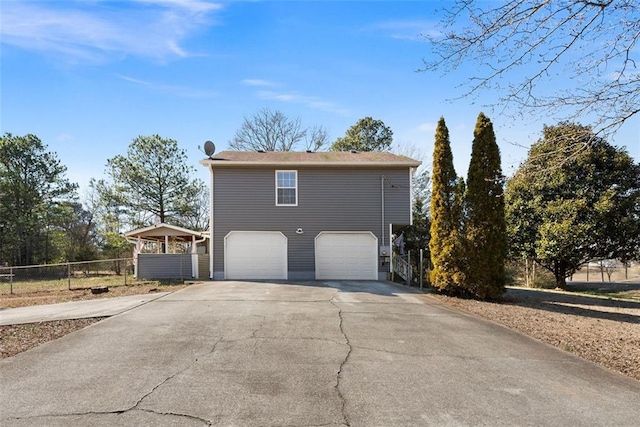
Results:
x,y
346,255
255,255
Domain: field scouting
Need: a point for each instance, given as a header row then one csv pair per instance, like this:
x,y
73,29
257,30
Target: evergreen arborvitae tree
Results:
x,y
459,236
486,243
444,223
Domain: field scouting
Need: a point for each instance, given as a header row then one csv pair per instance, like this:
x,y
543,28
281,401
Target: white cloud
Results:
x,y
181,91
309,101
64,137
100,30
190,5
257,82
427,127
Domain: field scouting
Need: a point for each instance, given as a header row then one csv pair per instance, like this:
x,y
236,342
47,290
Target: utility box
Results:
x,y
385,255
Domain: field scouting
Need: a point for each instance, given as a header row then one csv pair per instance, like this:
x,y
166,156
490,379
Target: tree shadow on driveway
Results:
x,y
578,305
374,287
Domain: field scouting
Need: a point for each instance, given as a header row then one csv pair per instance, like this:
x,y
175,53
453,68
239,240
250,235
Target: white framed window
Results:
x,y
286,188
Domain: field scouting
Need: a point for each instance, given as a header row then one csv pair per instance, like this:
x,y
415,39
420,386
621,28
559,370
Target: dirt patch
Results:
x,y
15,339
53,296
602,330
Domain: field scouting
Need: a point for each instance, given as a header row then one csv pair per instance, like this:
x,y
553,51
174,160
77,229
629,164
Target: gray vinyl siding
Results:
x,y
328,200
164,266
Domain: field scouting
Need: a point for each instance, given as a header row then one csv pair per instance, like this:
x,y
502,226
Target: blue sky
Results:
x,y
88,76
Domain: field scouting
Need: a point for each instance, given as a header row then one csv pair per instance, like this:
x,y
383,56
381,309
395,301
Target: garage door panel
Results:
x,y
255,255
346,256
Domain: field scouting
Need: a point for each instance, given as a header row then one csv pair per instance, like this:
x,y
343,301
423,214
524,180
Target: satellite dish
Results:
x,y
209,148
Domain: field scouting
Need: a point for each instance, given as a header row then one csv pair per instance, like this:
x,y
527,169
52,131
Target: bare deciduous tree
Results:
x,y
273,131
523,46
316,138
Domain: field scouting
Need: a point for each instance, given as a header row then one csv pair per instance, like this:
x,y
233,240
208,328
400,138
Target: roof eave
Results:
x,y
141,231
233,163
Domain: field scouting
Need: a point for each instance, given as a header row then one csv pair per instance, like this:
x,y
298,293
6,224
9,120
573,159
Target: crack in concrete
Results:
x,y
136,406
175,414
263,319
70,414
315,425
247,300
340,369
120,412
213,349
253,334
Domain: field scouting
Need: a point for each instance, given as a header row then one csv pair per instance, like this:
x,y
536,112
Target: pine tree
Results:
x,y
444,223
486,243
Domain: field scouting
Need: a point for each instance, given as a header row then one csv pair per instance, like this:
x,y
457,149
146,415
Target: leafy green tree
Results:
x,y
417,234
629,233
486,243
567,207
32,185
111,219
152,182
445,215
366,135
76,229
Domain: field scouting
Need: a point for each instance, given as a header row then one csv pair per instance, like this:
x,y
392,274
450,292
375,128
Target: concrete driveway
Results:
x,y
306,354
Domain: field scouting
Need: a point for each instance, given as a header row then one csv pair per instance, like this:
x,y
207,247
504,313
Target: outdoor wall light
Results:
x,y
299,231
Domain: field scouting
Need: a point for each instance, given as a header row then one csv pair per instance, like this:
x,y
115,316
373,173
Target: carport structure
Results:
x,y
165,251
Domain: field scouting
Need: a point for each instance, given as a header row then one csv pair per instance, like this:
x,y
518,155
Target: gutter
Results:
x,y
220,163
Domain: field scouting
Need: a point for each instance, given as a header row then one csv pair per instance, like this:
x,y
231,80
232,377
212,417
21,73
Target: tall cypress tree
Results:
x,y
442,244
486,244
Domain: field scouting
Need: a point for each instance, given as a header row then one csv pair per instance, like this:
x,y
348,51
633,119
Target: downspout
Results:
x,y
382,225
138,245
194,256
200,241
211,235
135,266
410,196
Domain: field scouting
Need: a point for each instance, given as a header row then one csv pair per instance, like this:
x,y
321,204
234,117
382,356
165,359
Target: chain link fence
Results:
x,y
527,273
414,267
67,275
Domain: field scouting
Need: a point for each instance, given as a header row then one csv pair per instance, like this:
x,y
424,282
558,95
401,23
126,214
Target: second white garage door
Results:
x,y
344,255
255,255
